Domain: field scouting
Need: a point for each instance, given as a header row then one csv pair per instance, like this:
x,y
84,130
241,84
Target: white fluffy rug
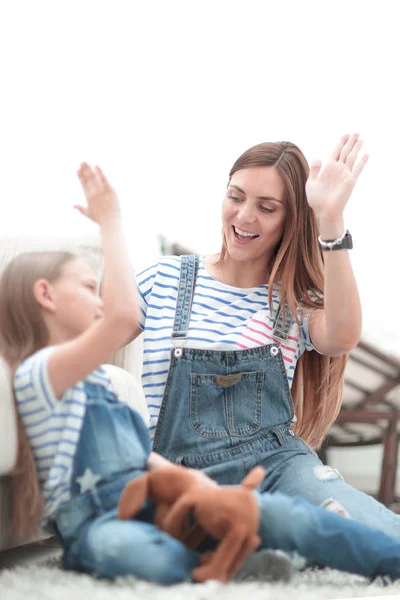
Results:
x,y
46,581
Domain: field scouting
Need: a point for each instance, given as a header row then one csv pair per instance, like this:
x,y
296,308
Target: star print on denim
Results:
x,y
88,480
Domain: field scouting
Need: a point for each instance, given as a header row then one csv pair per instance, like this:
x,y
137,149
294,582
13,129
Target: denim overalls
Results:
x,y
113,448
227,411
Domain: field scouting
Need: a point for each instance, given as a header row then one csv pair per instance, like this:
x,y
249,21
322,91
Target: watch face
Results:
x,y
345,244
349,241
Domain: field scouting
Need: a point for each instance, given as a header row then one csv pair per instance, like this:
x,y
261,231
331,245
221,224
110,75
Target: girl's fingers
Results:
x,y
339,147
88,178
93,180
360,165
84,172
89,187
102,178
81,209
348,147
84,177
352,156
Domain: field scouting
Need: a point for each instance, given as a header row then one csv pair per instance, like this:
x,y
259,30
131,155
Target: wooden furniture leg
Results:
x,y
387,488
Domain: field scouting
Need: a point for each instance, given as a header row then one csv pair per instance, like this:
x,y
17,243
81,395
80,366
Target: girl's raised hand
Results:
x,y
329,189
102,201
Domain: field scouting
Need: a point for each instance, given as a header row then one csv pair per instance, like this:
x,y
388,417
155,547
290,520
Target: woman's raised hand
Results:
x,y
102,201
329,188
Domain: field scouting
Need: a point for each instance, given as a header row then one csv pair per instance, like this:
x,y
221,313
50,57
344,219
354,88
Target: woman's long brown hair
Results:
x,y
318,383
23,332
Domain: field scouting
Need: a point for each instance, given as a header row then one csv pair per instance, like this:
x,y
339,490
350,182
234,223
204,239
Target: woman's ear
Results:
x,y
44,294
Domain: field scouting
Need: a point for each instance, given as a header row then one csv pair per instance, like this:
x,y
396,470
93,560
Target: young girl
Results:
x,y
79,445
244,351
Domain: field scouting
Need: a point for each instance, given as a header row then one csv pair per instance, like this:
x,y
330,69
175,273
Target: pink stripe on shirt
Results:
x,y
290,337
289,348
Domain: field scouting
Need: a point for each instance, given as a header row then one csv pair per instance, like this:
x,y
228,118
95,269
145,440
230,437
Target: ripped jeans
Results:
x,y
96,541
294,470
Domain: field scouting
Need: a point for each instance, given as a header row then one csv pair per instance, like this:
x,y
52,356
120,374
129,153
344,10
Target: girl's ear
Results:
x,y
44,294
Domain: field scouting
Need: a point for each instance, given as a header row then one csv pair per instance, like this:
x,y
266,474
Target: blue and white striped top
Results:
x,y
223,318
53,426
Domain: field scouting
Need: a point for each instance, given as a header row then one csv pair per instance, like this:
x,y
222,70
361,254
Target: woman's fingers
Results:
x,y
360,165
353,154
315,169
347,152
342,142
348,147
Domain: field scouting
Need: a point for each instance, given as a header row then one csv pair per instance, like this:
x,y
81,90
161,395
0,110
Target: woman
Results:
x,y
245,364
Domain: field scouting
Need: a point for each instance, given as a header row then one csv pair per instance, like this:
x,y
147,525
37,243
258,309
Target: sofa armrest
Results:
x,y
128,390
130,357
8,422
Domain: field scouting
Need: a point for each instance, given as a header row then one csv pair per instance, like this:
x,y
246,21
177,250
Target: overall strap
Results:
x,y
280,330
187,282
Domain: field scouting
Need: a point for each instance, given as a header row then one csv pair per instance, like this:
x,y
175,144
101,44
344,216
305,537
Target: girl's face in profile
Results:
x,y
253,213
76,298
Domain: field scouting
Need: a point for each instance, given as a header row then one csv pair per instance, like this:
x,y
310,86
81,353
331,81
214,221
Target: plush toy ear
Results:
x,y
133,497
254,478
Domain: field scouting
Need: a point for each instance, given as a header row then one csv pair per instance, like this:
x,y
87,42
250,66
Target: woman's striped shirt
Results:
x,y
222,318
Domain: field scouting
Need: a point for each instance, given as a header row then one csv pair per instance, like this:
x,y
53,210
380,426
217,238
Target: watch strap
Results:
x,y
345,242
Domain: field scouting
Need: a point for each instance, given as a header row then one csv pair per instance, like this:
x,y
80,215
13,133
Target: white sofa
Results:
x,y
124,367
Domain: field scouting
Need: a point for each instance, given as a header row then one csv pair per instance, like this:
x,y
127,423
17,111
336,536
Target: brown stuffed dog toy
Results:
x,y
229,514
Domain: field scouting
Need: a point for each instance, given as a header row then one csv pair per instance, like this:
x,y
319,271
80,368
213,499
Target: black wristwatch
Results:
x,y
343,243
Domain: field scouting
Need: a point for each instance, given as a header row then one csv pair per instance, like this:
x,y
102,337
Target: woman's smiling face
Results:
x,y
254,213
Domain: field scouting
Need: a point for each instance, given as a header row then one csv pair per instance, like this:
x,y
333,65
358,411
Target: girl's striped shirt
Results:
x,y
53,426
222,318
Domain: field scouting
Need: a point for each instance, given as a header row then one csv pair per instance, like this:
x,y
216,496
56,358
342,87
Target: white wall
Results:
x,y
166,95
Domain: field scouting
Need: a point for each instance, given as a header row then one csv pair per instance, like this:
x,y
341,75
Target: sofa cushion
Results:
x,y
8,433
128,390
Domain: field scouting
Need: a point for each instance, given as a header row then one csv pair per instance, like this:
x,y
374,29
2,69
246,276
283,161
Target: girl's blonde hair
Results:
x,y
298,263
23,332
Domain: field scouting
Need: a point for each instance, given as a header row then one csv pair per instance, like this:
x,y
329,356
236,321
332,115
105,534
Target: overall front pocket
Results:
x,y
226,405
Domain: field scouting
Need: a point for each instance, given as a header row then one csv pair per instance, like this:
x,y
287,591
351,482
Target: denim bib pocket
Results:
x,y
226,405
